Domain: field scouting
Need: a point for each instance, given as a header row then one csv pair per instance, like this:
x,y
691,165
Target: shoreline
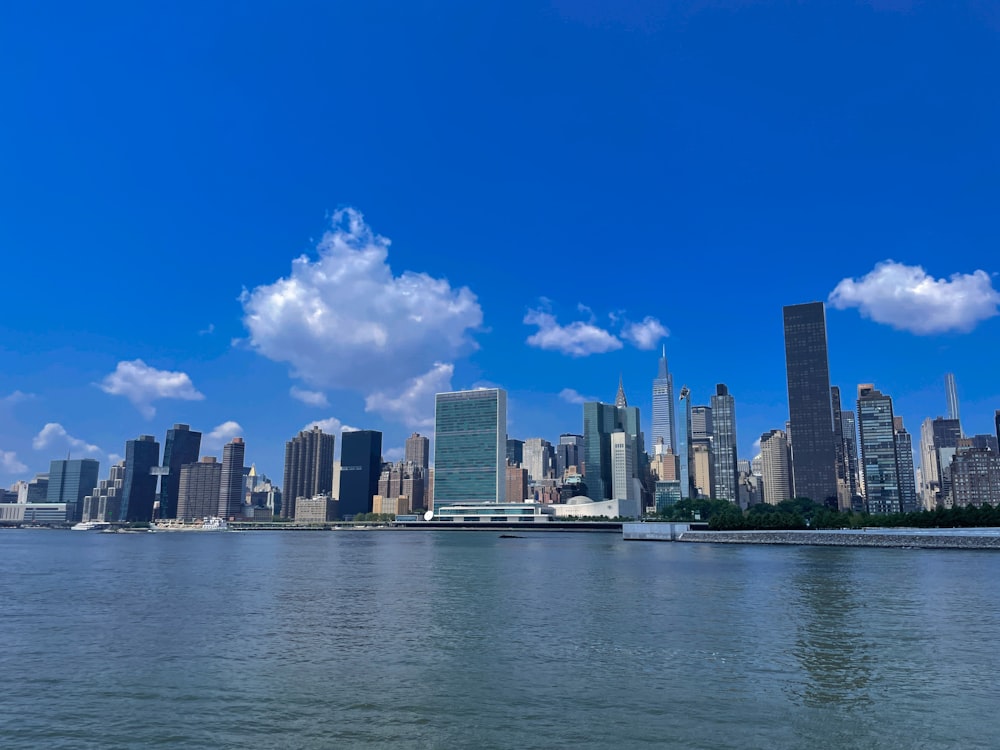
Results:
x,y
971,538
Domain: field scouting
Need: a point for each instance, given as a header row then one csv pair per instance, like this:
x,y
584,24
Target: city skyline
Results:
x,y
249,287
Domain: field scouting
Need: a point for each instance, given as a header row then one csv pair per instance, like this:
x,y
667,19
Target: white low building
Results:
x,y
583,507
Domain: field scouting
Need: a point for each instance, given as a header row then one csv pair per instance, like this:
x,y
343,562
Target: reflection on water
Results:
x,y
830,641
461,639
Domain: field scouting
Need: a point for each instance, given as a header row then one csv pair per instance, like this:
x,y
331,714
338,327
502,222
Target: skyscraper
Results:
x,y
515,451
878,450
701,422
724,444
417,451
70,481
951,392
569,452
104,503
600,422
139,488
231,483
938,443
904,464
664,425
996,423
774,467
538,458
198,489
360,468
810,410
182,446
308,468
684,455
622,468
470,447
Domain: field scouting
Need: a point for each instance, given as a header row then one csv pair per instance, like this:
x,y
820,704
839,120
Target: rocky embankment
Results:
x,y
939,539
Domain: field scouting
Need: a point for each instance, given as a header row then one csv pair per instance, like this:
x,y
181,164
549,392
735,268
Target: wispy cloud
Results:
x,y
207,331
54,434
331,426
413,404
142,384
17,397
312,398
571,396
9,463
645,334
909,299
222,434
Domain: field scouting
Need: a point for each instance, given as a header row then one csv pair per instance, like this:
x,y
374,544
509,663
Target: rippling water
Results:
x,y
462,639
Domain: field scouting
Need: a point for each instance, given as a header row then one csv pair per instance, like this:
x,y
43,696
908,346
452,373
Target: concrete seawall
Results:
x,y
923,538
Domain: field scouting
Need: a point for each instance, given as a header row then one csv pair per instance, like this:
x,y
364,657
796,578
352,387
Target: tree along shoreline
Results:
x,y
803,513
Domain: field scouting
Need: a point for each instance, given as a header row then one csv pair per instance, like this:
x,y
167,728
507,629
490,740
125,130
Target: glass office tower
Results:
x,y
470,447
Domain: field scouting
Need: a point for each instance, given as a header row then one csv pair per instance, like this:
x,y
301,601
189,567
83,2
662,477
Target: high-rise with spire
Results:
x,y
664,425
951,391
620,401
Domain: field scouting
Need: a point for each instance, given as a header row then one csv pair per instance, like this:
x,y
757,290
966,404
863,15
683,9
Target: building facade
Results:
x,y
182,446
360,468
231,488
664,423
308,468
104,503
724,445
139,489
470,447
810,411
70,481
878,450
775,470
198,488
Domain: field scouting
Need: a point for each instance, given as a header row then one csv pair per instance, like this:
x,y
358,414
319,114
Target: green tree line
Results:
x,y
803,513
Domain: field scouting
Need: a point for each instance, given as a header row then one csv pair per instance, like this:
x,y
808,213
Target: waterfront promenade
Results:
x,y
965,538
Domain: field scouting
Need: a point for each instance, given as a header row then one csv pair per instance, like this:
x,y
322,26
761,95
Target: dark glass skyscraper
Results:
x,y
470,447
70,481
308,468
724,444
181,447
231,485
360,468
139,487
810,412
600,421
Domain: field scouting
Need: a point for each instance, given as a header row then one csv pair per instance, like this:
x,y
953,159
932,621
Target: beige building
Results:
x,y
315,509
702,467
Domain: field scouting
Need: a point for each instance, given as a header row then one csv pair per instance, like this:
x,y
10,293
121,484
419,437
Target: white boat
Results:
x,y
213,523
90,526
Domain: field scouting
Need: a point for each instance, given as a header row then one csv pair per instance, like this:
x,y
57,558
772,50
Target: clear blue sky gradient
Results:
x,y
703,163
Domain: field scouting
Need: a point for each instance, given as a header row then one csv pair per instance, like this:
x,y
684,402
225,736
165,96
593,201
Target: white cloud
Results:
x,y
142,384
312,398
344,320
54,434
578,339
222,434
413,405
9,463
571,396
16,397
645,335
331,426
909,299
114,458
394,454
207,331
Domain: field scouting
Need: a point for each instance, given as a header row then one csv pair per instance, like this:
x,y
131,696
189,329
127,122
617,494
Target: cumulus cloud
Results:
x,y
331,426
577,339
142,384
571,396
345,320
54,434
312,398
646,334
909,299
9,463
413,404
222,434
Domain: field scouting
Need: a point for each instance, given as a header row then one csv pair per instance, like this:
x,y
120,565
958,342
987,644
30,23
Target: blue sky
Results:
x,y
521,194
